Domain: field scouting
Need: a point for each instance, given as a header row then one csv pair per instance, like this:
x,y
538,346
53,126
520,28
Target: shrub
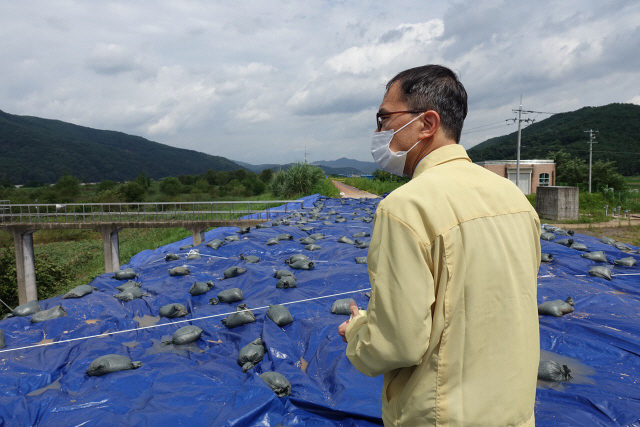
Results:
x,y
170,186
131,192
299,179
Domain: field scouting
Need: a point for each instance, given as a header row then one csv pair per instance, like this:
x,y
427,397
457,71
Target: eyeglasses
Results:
x,y
379,116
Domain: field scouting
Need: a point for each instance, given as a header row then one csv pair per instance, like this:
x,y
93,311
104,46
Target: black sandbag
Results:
x,y
307,240
242,316
296,257
52,313
127,273
362,244
128,284
230,295
263,226
129,294
251,259
345,239
171,257
287,282
27,309
110,363
272,242
548,370
282,273
302,264
251,354
2,343
284,236
547,236
341,306
179,271
564,242
280,315
600,271
361,259
545,257
278,383
361,234
182,248
579,247
185,335
173,310
626,262
79,291
232,238
243,230
312,247
556,308
199,288
597,256
215,244
233,272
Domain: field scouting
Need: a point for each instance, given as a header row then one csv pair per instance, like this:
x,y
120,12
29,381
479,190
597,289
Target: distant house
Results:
x,y
533,173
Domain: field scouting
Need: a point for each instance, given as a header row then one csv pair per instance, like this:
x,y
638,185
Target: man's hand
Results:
x,y
343,327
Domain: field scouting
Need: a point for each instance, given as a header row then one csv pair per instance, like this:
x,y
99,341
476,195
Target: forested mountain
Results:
x,y
36,149
618,137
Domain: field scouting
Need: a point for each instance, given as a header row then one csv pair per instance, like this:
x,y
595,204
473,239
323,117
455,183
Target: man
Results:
x,y
452,322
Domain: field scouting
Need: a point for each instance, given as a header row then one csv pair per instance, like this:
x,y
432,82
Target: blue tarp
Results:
x,y
204,385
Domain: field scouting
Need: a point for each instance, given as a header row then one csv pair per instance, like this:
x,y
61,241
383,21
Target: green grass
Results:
x,y
373,185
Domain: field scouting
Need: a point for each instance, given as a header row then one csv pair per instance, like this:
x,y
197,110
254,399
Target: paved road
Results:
x,y
352,192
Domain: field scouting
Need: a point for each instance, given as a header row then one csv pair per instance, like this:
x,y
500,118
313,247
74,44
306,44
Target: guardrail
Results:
x,y
128,212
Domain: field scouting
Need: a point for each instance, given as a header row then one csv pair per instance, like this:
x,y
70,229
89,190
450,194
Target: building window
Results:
x,y
544,180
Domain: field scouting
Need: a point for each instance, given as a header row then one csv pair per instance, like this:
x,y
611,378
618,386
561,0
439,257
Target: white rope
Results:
x,y
585,275
105,334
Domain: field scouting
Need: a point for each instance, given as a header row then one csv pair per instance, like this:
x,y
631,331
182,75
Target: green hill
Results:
x,y
35,149
618,138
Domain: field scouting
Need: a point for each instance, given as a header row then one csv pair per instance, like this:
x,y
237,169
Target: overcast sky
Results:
x,y
257,81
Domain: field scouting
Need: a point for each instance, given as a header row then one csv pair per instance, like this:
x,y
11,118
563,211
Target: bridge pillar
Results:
x,y
198,235
25,265
111,248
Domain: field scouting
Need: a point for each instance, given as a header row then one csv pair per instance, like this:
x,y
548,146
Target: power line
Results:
x,y
482,130
488,124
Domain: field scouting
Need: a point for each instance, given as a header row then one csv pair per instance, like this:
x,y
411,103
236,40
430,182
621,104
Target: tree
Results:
x,y
67,188
170,186
106,185
605,175
569,170
265,175
143,180
131,192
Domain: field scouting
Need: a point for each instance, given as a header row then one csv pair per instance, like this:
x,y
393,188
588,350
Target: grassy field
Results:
x,y
372,185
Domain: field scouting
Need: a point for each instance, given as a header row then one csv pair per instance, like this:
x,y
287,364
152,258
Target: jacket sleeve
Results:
x,y
395,331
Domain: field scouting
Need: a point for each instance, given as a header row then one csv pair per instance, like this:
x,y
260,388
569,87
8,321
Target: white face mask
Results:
x,y
390,161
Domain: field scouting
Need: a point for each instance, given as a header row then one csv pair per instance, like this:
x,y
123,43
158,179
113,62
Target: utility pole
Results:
x,y
305,154
520,111
591,142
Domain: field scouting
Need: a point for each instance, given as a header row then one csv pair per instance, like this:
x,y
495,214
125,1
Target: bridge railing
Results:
x,y
139,212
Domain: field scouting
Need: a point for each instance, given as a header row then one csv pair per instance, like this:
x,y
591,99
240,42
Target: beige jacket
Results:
x,y
452,322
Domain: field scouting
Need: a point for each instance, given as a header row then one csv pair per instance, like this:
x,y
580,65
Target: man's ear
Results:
x,y
430,124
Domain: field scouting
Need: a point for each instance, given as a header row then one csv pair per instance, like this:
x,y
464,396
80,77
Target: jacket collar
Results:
x,y
441,155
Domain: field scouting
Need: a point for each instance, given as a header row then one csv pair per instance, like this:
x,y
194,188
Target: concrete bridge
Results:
x,y
22,220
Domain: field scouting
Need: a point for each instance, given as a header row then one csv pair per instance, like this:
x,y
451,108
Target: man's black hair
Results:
x,y
434,87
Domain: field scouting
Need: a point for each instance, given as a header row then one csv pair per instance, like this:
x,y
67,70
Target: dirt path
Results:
x,y
352,192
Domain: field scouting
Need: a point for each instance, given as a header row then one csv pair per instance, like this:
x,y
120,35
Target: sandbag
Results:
x,y
361,234
284,236
232,238
361,259
228,296
361,244
547,236
579,247
52,313
556,308
27,309
251,259
600,271
332,212
79,291
272,242
2,343
243,230
312,247
242,316
282,273
280,315
129,294
251,354
127,273
171,257
307,240
171,311
306,228
340,220
296,257
607,240
263,226
193,255
182,248
233,272
327,223
564,242
278,383
597,256
548,370
302,264
199,288
345,239
621,246
317,236
128,284
110,363
341,306
185,335
545,257
626,262
179,271
215,244
287,282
